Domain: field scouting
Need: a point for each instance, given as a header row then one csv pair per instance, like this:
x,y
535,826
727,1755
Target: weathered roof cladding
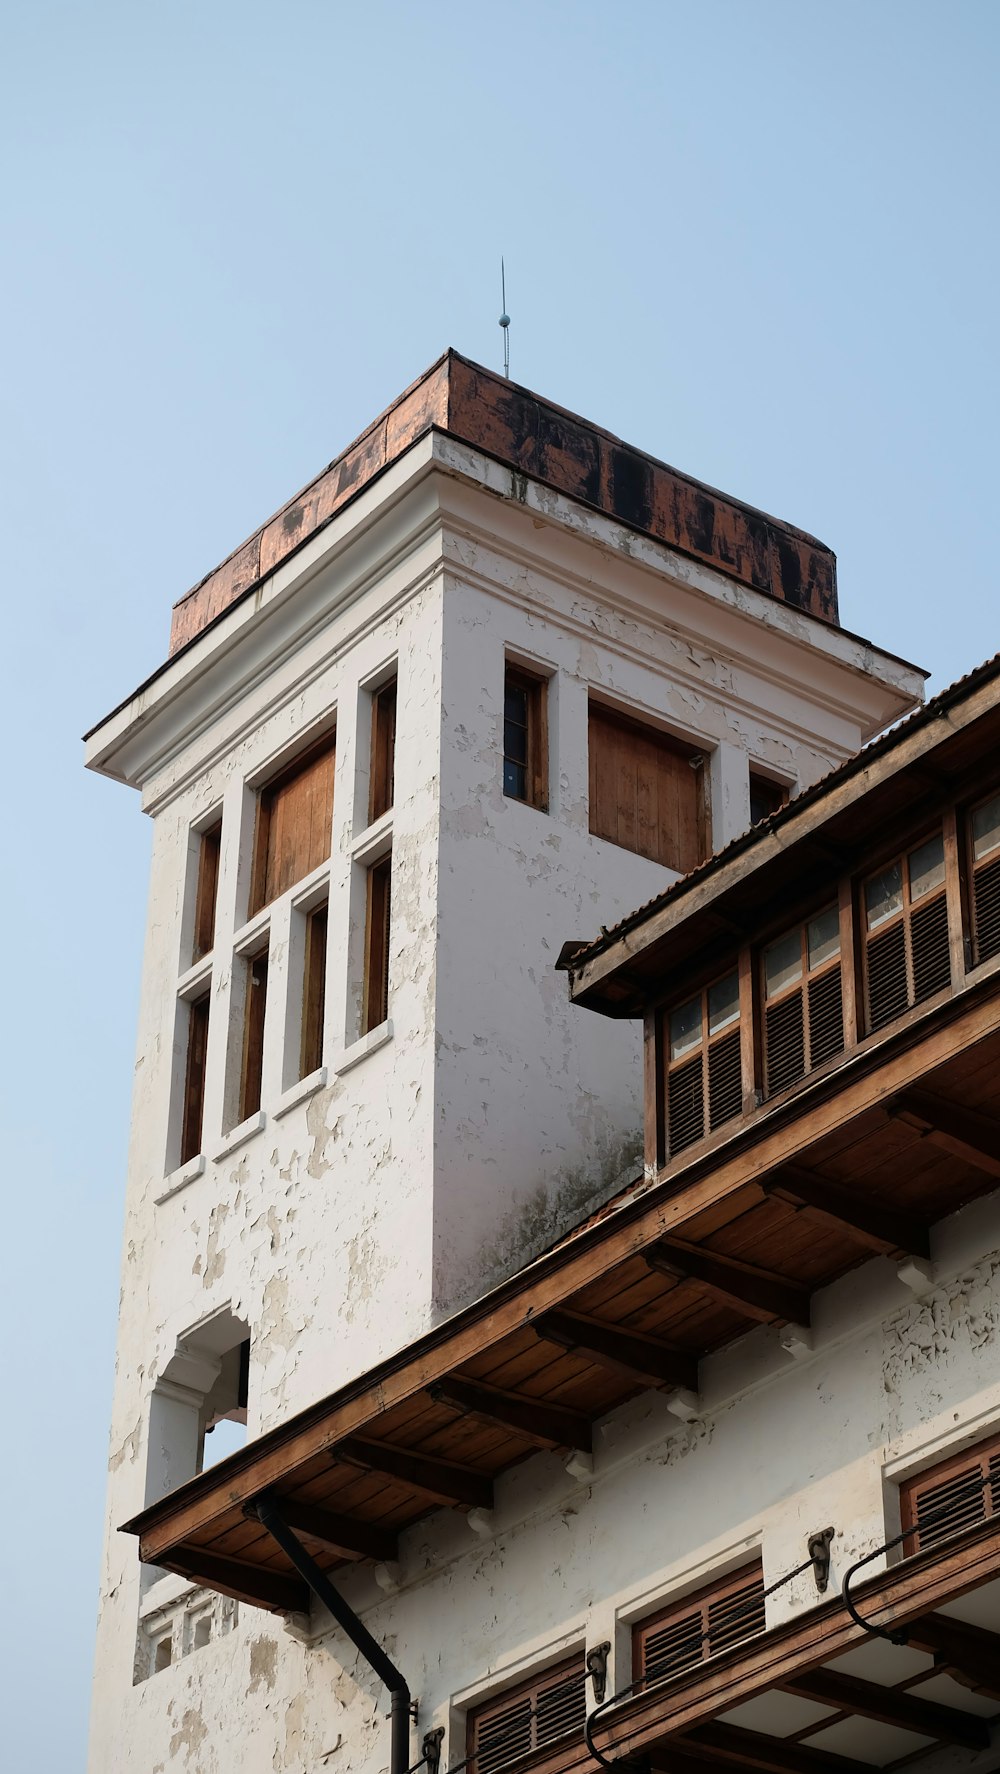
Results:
x,y
533,437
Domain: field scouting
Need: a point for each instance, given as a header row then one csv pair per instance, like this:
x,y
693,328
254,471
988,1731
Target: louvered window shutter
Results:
x,y
704,1080
985,836
907,956
699,1626
528,1722
954,1495
803,1001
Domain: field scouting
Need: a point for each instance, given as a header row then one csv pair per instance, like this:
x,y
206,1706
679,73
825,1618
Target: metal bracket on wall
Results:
x,y
431,1747
818,1548
597,1669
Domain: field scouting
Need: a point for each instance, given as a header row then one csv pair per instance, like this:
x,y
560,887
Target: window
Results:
x,y
254,1008
704,1085
383,753
803,1000
225,1409
953,1495
194,1079
313,992
294,825
647,791
540,1715
766,797
699,1626
907,954
984,838
208,891
375,1007
525,738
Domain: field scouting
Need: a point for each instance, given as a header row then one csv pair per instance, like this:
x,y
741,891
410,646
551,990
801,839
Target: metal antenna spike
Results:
x,y
504,320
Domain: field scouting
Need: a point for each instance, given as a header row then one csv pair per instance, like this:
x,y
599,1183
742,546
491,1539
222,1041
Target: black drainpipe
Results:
x,y
267,1511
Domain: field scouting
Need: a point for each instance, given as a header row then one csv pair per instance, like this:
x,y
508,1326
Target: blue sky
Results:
x,y
758,239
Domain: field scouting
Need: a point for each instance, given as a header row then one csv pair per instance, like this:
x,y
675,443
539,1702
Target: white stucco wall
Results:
x,y
413,1174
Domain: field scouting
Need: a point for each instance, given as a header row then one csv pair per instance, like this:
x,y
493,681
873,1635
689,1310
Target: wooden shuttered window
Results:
x,y
209,851
703,1086
802,990
525,738
699,1626
194,1079
527,1725
383,754
254,1011
906,957
313,992
954,1495
294,825
375,1005
984,869
647,791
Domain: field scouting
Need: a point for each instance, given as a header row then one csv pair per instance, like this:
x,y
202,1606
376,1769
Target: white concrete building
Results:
x,y
490,683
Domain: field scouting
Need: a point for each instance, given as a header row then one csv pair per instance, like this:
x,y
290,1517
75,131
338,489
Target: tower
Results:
x,y
489,683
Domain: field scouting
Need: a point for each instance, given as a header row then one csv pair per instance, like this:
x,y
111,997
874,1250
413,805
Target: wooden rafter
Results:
x,y
546,1425
731,1746
342,1534
443,1480
890,1706
964,1133
644,1358
879,1228
970,1653
262,1587
756,1293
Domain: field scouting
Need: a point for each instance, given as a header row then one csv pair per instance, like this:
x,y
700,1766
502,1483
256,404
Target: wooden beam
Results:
x,y
970,1653
731,1746
881,1229
342,1534
444,1480
547,1425
259,1585
755,1293
965,1133
623,1351
890,1706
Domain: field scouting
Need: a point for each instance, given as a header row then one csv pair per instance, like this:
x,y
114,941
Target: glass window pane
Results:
x,y
884,895
823,937
515,780
783,963
986,828
926,867
685,1028
515,742
723,1003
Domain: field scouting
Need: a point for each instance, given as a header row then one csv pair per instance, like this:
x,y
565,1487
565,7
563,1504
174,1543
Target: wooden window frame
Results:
x,y
382,770
263,889
549,1754
694,756
254,1020
984,1456
970,870
207,891
903,918
193,1106
378,928
707,1044
778,795
536,761
697,1602
801,986
317,920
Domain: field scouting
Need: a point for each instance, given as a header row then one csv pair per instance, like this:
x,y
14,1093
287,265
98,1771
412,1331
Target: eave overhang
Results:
x,y
847,816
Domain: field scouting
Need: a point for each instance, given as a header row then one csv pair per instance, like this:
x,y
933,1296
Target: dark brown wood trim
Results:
x,y
444,1480
540,1421
262,1587
882,1229
342,1534
890,1706
646,1359
757,1293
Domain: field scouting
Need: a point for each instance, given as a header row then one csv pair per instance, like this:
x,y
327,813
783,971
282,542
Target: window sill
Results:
x,y
375,841
359,1050
299,1092
194,979
180,1178
239,1135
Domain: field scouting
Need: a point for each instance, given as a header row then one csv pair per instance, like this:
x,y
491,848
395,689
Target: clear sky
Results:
x,y
755,237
